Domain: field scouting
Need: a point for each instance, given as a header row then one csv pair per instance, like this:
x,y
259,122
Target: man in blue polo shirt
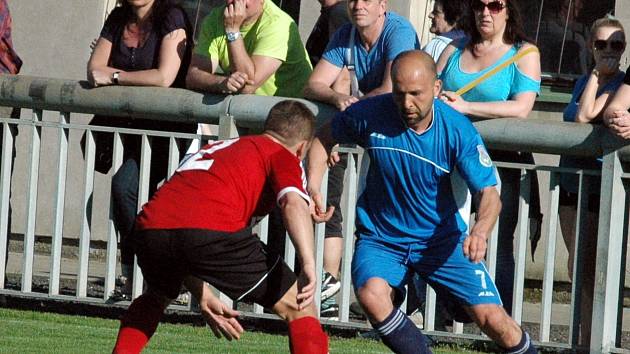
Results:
x,y
408,217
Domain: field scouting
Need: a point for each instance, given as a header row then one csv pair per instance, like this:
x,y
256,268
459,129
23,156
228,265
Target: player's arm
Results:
x,y
487,213
220,318
317,164
297,220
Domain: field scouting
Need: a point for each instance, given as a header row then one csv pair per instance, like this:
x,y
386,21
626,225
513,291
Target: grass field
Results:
x,y
35,332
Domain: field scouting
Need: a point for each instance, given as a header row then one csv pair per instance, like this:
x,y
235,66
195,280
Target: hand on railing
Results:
x,y
619,124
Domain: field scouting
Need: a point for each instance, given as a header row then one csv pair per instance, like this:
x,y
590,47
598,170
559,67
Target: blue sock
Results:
x,y
524,347
400,334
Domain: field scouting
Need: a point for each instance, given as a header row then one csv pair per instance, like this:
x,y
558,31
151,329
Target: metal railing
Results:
x,y
237,115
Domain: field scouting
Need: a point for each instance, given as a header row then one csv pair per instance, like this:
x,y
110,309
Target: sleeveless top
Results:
x,y
502,86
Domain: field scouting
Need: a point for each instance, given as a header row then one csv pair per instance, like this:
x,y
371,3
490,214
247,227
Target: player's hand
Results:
x,y
475,247
221,319
334,158
306,286
454,100
344,101
234,15
319,213
235,82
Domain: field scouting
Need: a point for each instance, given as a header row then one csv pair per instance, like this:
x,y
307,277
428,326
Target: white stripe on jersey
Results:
x,y
412,154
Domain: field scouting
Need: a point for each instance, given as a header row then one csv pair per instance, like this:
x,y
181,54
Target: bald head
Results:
x,y
414,63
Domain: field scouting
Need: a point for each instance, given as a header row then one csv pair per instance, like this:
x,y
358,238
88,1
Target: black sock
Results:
x,y
525,346
401,335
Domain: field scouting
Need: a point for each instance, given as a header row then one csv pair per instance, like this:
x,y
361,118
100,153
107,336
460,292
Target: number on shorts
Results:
x,y
201,160
482,275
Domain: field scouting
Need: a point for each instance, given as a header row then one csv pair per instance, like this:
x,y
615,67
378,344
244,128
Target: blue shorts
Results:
x,y
441,264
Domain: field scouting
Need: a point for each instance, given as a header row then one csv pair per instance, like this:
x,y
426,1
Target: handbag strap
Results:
x,y
498,68
349,54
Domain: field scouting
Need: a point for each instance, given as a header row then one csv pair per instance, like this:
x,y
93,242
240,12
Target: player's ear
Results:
x,y
437,87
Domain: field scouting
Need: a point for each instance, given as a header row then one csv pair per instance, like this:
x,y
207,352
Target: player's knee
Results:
x,y
373,294
494,318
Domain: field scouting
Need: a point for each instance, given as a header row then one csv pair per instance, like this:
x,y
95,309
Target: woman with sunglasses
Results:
x,y
591,95
496,35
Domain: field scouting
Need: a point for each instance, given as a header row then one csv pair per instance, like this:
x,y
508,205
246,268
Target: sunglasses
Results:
x,y
493,6
617,46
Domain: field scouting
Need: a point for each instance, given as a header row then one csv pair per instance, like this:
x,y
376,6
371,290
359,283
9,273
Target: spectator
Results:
x,y
369,45
197,228
446,25
616,116
408,218
249,47
496,37
591,95
143,43
10,63
334,14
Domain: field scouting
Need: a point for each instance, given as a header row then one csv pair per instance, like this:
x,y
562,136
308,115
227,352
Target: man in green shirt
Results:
x,y
249,46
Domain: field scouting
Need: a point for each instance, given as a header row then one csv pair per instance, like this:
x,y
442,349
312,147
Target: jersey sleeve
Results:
x,y
287,175
335,52
475,165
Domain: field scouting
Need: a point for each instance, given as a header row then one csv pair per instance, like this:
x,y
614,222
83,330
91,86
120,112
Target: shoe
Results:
x,y
330,286
182,299
330,312
117,296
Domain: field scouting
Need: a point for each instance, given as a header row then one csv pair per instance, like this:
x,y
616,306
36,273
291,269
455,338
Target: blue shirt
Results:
x,y
398,35
570,182
409,193
502,86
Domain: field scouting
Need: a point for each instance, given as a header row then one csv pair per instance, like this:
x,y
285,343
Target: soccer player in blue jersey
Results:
x,y
408,216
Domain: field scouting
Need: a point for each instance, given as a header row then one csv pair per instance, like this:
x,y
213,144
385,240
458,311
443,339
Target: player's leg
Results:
x,y
164,274
379,274
241,266
305,331
469,284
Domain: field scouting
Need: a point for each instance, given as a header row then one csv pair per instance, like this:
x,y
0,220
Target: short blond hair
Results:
x,y
606,21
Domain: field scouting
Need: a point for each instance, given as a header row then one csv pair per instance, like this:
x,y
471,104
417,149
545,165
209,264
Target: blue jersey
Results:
x,y
398,36
409,194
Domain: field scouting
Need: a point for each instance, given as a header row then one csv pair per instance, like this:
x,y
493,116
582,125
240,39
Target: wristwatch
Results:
x,y
232,36
115,77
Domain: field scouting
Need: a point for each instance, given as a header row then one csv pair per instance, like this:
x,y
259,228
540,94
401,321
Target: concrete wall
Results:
x,y
53,39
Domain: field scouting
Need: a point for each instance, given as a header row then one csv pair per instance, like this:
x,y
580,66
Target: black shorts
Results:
x,y
336,176
237,264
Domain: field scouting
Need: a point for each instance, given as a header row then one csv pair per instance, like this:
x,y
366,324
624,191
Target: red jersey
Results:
x,y
224,185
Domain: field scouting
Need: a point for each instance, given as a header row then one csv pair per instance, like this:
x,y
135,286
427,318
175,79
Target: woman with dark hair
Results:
x,y
143,43
447,25
496,37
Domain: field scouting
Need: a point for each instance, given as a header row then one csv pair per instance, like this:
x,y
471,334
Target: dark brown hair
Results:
x,y
514,32
290,122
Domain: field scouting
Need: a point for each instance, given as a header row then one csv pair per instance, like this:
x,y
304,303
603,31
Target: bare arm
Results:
x,y
317,161
446,54
201,77
487,213
319,86
170,58
297,219
619,104
591,106
519,107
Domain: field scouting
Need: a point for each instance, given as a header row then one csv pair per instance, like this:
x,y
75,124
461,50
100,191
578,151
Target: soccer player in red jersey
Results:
x,y
198,228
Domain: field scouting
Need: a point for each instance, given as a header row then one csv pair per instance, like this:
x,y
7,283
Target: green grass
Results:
x,y
36,332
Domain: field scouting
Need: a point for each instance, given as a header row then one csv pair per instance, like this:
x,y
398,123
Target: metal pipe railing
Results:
x,y
248,112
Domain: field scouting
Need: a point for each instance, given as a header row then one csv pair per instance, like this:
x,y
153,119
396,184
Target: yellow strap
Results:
x,y
483,77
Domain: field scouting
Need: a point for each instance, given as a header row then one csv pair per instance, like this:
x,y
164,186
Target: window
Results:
x,y
561,29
